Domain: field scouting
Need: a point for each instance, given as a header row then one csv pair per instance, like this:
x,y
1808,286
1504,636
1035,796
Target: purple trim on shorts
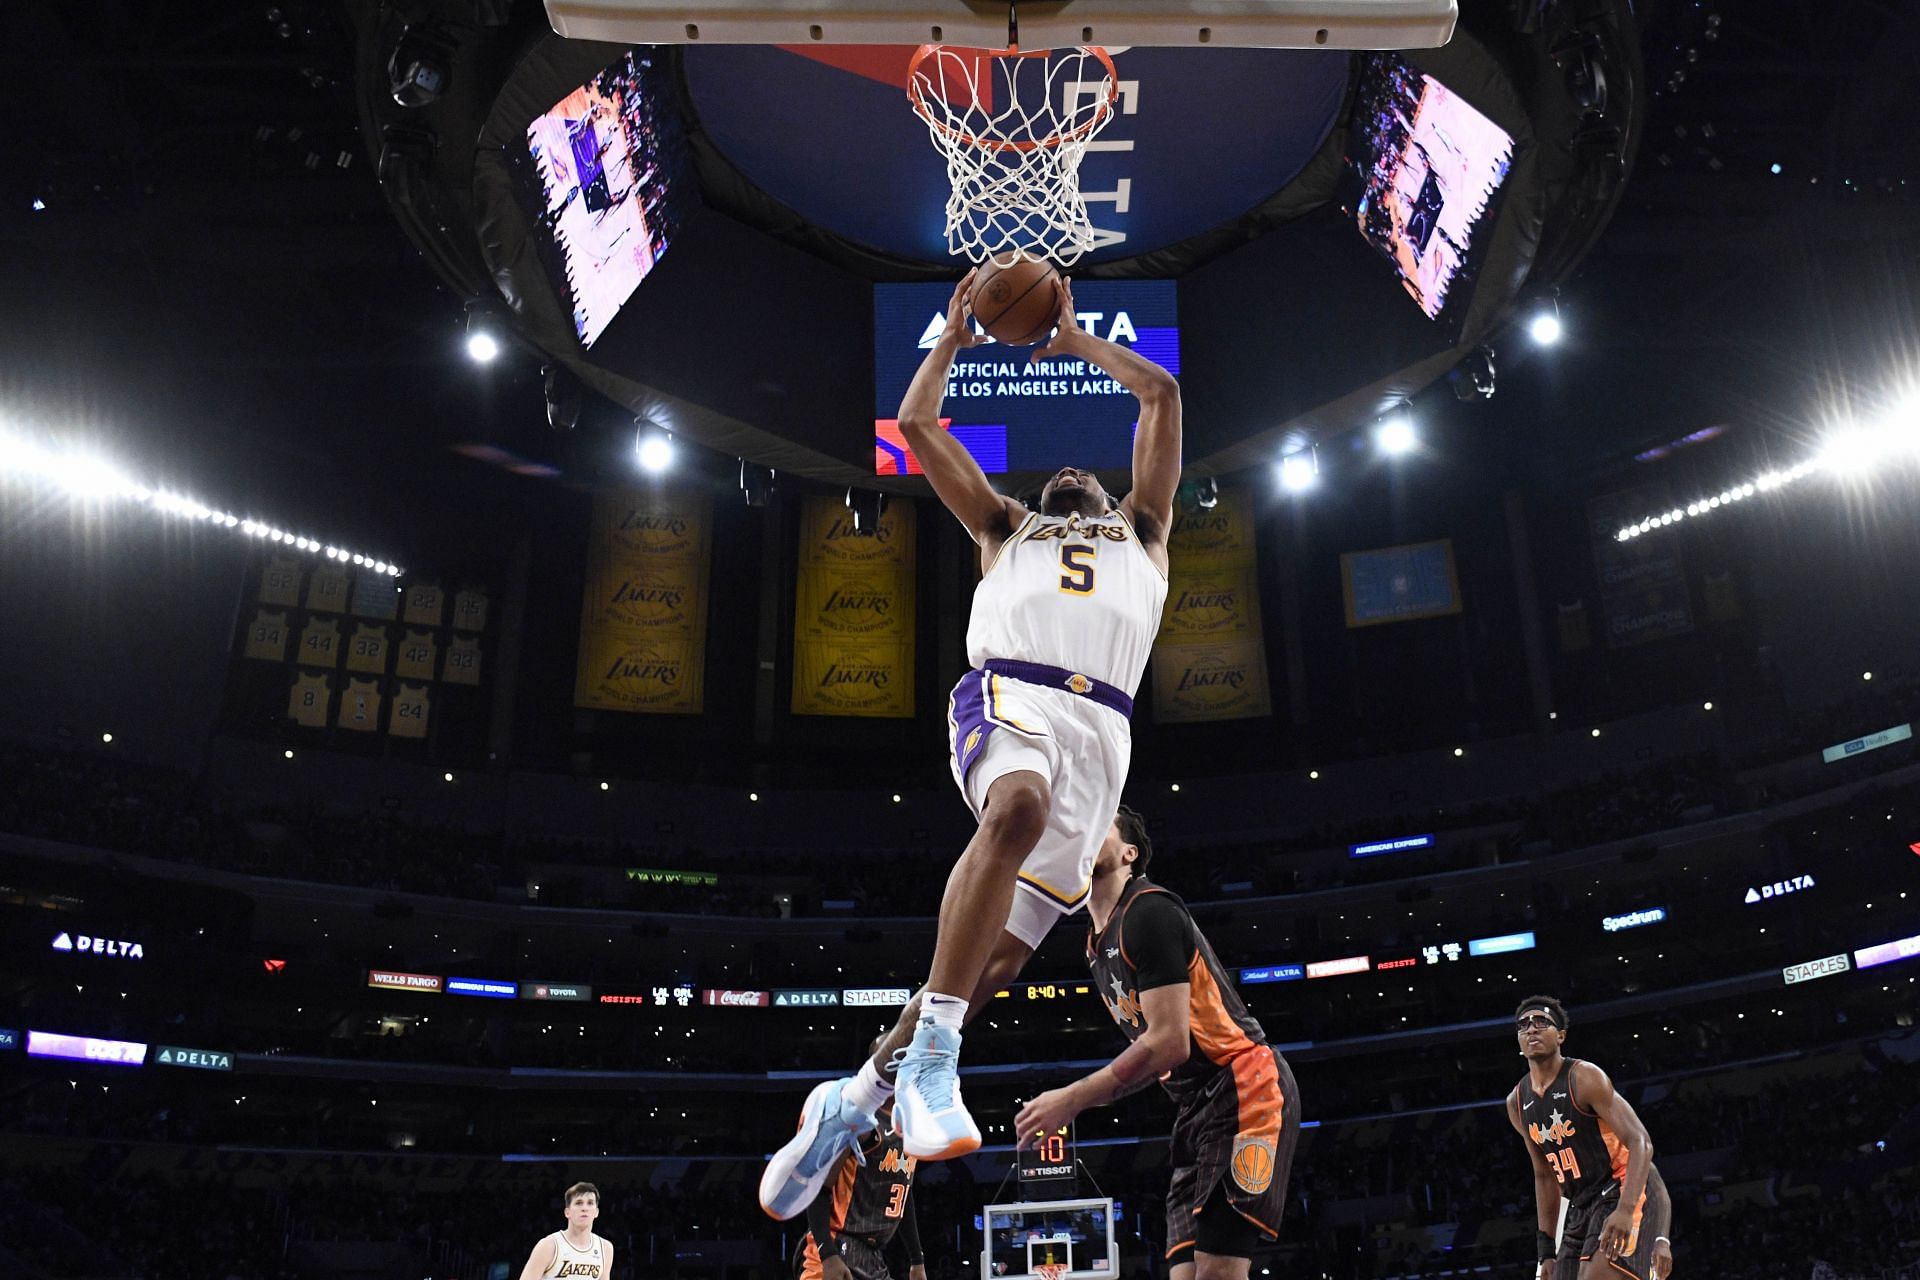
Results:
x,y
1060,678
971,728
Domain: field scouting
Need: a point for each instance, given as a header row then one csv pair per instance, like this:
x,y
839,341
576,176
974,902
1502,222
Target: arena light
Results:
x,y
1545,328
1396,435
654,449
91,477
483,347
1299,472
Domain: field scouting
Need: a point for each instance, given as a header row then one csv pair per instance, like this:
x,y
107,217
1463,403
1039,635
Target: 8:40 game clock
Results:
x,y
1049,1162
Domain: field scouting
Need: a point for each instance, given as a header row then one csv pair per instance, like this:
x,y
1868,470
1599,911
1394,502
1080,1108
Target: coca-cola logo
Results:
x,y
739,999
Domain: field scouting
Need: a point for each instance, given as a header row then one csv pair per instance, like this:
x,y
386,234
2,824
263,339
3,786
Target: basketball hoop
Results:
x,y
1050,1270
1014,165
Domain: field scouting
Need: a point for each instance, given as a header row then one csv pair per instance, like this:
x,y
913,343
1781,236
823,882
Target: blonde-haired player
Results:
x,y
576,1251
1063,619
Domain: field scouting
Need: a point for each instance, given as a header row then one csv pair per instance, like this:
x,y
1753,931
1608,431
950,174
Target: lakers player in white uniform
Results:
x,y
577,1251
1066,611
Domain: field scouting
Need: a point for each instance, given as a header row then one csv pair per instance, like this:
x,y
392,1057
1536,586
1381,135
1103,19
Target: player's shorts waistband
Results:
x,y
1060,678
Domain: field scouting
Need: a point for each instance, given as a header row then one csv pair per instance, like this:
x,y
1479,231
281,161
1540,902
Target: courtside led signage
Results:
x,y
45,1044
85,944
613,999
738,999
1405,963
651,875
1872,742
1778,889
1823,968
1886,952
9,1040
167,1055
555,991
388,980
1334,968
491,988
875,997
1273,973
813,998
681,995
1442,950
1375,848
1633,919
1501,945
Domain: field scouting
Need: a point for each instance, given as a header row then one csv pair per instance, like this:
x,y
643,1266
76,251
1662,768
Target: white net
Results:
x,y
1013,128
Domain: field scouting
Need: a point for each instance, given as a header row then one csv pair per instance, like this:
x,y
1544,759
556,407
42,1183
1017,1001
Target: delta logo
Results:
x,y
1778,889
89,945
1120,330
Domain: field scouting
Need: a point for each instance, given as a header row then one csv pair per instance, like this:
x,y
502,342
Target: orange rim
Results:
x,y
925,112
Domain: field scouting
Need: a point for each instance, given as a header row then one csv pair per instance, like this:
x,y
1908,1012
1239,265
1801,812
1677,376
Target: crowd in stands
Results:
x,y
103,801
1774,1168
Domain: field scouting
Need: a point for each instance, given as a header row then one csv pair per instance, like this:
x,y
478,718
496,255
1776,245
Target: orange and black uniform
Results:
x,y
1589,1161
857,1213
1239,1109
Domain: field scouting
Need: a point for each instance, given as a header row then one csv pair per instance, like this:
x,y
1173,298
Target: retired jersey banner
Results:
x,y
1643,583
854,613
1210,660
643,622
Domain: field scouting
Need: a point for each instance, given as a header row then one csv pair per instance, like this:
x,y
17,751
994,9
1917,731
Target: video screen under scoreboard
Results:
x,y
1423,169
1010,414
608,169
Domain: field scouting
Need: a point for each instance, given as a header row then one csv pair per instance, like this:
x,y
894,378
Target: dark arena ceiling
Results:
x,y
243,245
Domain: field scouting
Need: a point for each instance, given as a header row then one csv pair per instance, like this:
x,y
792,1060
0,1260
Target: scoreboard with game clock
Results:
x,y
1049,1163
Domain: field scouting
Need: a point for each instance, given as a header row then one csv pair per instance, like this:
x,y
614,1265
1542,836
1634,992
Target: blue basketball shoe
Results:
x,y
829,1126
932,1122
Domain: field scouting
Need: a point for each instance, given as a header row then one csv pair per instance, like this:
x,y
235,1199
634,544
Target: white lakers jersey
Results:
x,y
1071,592
589,1263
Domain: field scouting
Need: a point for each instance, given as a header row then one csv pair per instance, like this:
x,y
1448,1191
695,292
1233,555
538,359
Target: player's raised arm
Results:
x,y
956,477
1546,1194
1164,1046
1156,443
1591,1089
540,1261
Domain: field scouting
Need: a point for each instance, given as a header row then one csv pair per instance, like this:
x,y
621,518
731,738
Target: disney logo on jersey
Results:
x,y
1558,1131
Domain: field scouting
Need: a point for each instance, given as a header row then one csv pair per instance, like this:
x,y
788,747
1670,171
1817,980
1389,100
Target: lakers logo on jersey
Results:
x,y
1559,1131
1252,1162
578,1269
1079,683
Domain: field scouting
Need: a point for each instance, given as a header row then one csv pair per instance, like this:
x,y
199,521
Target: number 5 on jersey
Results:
x,y
1076,559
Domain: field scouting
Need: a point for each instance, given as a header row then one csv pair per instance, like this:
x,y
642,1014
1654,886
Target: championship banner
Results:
x,y
1210,660
853,633
1643,583
643,623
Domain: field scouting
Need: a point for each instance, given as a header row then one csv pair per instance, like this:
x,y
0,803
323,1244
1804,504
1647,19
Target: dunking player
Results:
x,y
1239,1109
854,1218
577,1251
1065,613
1588,1147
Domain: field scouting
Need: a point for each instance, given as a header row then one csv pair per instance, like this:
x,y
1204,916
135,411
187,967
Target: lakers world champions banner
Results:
x,y
854,613
1210,660
643,622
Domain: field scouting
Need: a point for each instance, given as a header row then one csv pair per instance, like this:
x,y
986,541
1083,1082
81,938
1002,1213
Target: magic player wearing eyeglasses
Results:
x,y
1588,1148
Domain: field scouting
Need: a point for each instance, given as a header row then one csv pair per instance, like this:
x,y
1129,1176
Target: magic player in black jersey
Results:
x,y
1238,1117
1589,1148
855,1216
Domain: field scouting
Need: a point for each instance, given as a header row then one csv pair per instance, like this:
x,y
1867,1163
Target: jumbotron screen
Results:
x,y
608,161
1011,414
1423,169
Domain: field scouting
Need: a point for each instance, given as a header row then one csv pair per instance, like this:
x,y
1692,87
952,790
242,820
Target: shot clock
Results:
x,y
1049,1162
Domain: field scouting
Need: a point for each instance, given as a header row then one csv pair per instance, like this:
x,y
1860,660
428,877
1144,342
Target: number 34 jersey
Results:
x,y
1070,592
1582,1150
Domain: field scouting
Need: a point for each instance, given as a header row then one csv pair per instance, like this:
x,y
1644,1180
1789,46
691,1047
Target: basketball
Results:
x,y
1016,298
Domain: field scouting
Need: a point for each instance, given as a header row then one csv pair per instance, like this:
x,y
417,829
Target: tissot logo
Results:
x,y
89,945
